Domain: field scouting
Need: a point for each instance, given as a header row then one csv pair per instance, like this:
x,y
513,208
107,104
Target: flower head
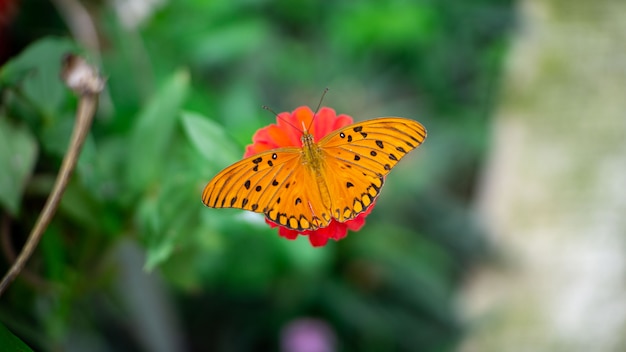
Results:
x,y
283,134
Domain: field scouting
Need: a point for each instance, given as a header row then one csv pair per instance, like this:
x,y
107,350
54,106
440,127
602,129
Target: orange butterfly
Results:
x,y
305,188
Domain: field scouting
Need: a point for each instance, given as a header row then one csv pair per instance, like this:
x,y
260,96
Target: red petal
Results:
x,y
335,230
324,123
317,240
300,116
266,138
271,223
327,121
287,233
342,121
358,222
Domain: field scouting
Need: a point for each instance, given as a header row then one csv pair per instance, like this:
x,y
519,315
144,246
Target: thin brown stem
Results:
x,y
10,255
84,80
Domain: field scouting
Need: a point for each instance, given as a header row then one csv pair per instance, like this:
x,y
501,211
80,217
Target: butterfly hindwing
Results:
x,y
354,187
298,205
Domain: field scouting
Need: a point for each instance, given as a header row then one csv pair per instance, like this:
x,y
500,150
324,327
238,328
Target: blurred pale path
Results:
x,y
554,191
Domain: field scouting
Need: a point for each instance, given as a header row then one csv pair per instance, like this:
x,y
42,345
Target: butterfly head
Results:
x,y
306,138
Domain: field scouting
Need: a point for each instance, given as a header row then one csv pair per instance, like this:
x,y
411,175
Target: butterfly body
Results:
x,y
305,188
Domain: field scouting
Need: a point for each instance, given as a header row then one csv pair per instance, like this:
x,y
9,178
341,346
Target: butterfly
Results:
x,y
304,188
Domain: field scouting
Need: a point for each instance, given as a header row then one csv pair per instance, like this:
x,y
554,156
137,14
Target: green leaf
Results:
x,y
10,342
18,152
152,132
37,71
240,112
169,220
230,42
210,139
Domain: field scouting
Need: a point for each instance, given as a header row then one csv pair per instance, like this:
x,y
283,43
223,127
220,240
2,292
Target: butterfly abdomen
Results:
x,y
313,158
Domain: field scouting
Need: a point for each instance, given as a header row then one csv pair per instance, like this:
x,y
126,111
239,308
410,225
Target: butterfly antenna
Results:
x,y
319,105
265,107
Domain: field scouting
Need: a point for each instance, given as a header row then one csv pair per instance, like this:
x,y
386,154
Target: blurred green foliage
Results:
x,y
184,90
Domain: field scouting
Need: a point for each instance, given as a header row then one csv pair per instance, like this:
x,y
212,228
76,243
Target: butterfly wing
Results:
x,y
274,183
359,156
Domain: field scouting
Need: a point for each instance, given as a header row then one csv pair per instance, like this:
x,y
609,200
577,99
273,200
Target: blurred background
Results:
x,y
503,232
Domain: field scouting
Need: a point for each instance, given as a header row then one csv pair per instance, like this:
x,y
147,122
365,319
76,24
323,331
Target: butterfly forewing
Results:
x,y
242,184
399,132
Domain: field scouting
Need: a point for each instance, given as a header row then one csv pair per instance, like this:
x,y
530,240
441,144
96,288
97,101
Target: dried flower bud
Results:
x,y
81,77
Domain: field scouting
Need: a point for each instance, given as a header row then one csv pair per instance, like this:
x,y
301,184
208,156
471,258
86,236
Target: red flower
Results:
x,y
284,135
